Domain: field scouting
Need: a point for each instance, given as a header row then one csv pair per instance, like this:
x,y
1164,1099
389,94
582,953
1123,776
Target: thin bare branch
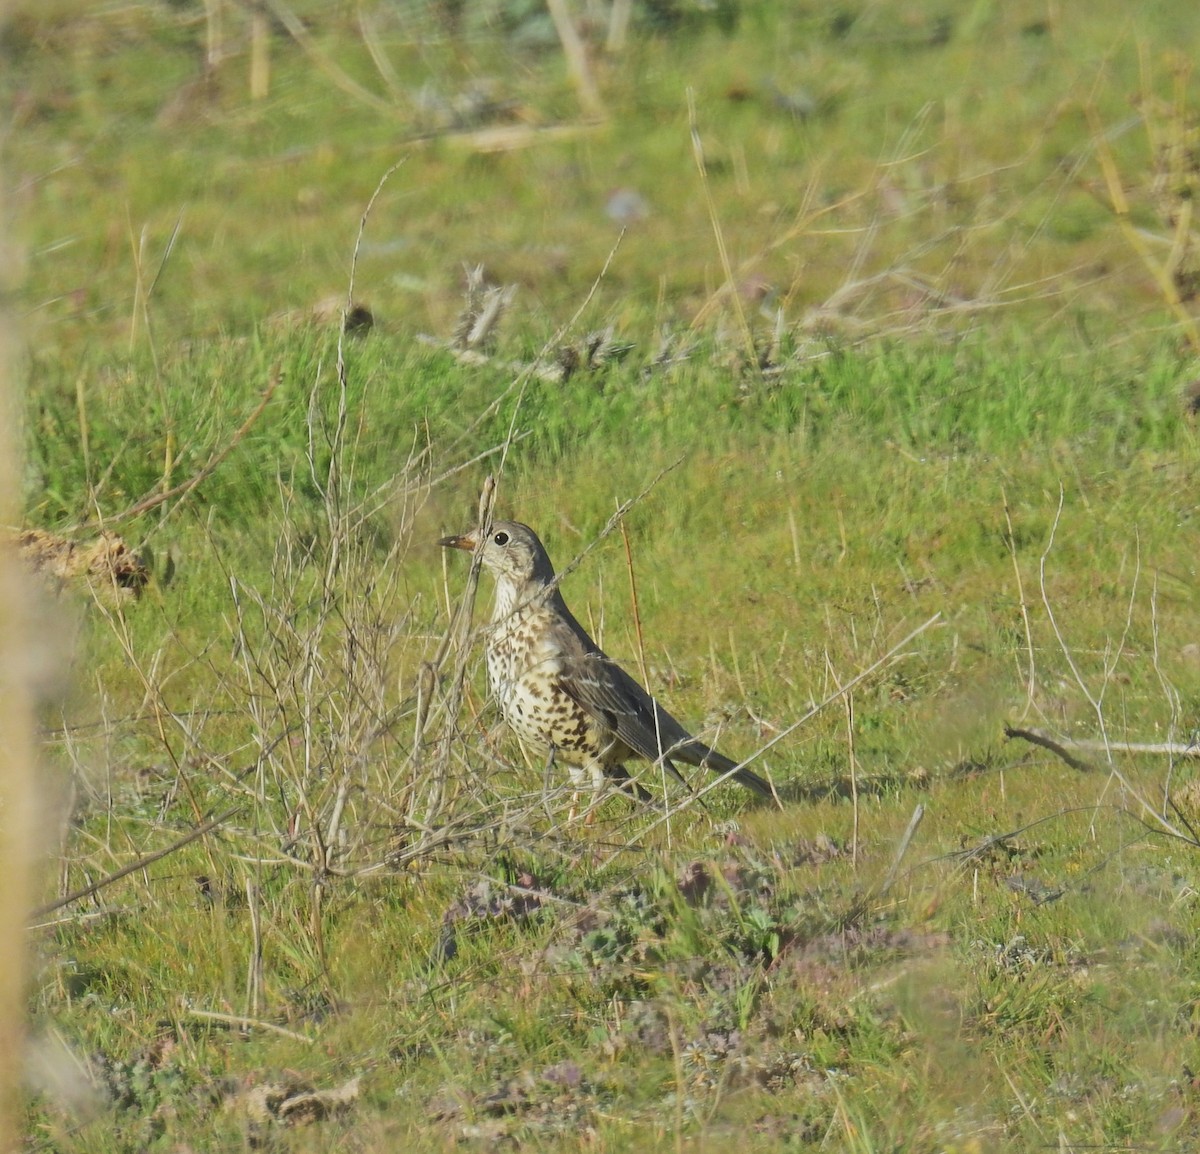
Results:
x,y
1061,746
140,864
1058,748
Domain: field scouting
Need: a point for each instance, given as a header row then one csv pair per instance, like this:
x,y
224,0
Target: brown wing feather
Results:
x,y
600,686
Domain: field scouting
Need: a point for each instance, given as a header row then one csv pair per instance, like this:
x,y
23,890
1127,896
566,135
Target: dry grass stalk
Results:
x,y
133,867
718,232
16,850
1065,747
260,55
894,654
1176,176
510,137
179,493
618,25
298,32
483,308
577,61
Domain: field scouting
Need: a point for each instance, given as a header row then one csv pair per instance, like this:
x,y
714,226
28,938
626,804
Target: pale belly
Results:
x,y
542,716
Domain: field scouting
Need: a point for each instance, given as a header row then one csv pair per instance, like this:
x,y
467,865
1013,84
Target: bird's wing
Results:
x,y
598,684
605,690
610,695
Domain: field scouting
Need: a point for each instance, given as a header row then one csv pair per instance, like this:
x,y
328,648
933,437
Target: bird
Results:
x,y
559,692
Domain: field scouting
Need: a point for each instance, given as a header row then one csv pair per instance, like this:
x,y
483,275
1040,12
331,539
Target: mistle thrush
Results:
x,y
559,692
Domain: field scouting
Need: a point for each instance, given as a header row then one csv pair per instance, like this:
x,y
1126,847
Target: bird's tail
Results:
x,y
718,763
753,782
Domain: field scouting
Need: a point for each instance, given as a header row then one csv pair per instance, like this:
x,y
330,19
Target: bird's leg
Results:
x,y
599,779
579,775
577,783
549,766
668,767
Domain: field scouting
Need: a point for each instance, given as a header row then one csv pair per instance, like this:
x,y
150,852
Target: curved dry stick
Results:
x,y
1150,748
297,31
245,1023
1042,738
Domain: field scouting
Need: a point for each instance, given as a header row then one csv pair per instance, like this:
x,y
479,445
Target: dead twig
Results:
x,y
245,1024
1062,746
891,655
297,31
577,61
133,867
918,815
1040,737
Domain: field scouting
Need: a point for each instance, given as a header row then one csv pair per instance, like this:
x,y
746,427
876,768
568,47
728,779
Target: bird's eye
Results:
x,y
501,538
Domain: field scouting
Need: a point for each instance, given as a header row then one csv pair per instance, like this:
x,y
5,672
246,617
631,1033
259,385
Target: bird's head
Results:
x,y
512,553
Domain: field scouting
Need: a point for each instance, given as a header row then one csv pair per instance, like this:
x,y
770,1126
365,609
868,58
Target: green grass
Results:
x,y
753,1007
993,435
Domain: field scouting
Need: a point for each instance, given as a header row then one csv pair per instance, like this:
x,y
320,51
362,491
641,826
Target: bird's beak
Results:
x,y
466,542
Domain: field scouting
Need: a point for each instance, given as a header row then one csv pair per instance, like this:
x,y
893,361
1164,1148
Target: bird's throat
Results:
x,y
508,596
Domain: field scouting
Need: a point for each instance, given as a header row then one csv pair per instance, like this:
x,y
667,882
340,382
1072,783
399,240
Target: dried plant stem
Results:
x,y
214,32
298,32
260,55
918,815
137,246
1149,814
1031,677
133,867
201,475
1095,700
383,65
641,646
254,970
633,600
1174,749
618,25
851,756
521,382
456,640
243,1023
1060,749
718,233
1119,203
616,520
849,700
577,61
1063,747
362,228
